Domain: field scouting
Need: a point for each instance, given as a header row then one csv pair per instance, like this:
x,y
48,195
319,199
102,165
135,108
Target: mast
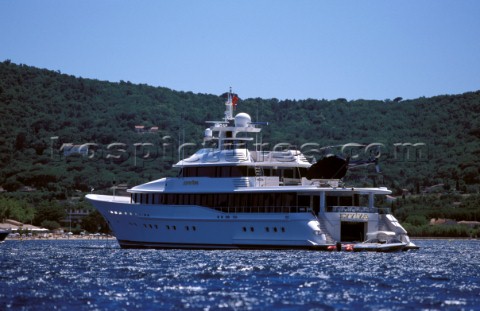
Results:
x,y
229,106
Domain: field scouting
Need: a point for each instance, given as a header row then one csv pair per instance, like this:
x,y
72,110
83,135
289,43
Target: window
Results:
x,y
288,173
206,171
189,172
304,200
332,201
346,201
222,200
225,171
158,199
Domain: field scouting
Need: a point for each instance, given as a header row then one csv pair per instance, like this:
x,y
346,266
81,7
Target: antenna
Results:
x,y
229,106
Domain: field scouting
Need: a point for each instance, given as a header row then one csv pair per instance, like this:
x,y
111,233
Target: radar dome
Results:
x,y
242,120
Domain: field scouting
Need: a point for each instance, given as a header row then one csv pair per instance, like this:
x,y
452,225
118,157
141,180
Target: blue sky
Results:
x,y
266,48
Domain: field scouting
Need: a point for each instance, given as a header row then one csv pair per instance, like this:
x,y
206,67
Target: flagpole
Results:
x,y
229,110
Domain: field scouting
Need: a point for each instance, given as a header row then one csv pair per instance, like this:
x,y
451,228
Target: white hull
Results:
x,y
163,226
197,227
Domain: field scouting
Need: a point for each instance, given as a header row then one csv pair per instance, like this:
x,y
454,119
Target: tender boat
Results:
x,y
380,241
229,196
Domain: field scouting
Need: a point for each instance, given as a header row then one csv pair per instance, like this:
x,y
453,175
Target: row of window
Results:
x,y
168,227
267,202
257,202
274,229
128,213
242,171
194,228
187,228
258,199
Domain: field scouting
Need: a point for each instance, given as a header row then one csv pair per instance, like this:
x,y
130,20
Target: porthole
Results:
x,y
283,229
168,227
267,229
251,229
275,229
187,228
174,228
194,228
244,229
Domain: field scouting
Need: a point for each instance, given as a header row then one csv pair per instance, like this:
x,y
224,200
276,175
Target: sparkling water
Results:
x,y
98,275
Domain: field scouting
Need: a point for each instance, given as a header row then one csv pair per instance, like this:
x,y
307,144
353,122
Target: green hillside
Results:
x,y
423,142
39,104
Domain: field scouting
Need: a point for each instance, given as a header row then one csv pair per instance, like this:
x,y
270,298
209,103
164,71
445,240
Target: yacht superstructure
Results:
x,y
231,197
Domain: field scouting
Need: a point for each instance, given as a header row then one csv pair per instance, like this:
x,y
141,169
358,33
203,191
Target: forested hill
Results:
x,y
423,142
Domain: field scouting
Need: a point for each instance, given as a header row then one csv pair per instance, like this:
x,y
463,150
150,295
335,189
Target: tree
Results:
x,y
20,141
50,224
49,210
95,222
15,209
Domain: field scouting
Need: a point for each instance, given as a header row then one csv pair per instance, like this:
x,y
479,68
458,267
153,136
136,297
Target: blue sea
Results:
x,y
98,275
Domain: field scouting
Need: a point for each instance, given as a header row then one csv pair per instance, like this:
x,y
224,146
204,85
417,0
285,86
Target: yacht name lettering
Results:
x,y
190,183
362,216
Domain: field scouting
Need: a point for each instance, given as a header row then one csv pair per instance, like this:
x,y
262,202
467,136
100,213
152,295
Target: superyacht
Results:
x,y
230,197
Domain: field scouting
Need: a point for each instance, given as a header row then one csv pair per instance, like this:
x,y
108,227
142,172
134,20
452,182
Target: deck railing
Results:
x,y
358,209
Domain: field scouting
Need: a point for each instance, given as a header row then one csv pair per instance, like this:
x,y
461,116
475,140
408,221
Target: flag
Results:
x,y
234,100
234,97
